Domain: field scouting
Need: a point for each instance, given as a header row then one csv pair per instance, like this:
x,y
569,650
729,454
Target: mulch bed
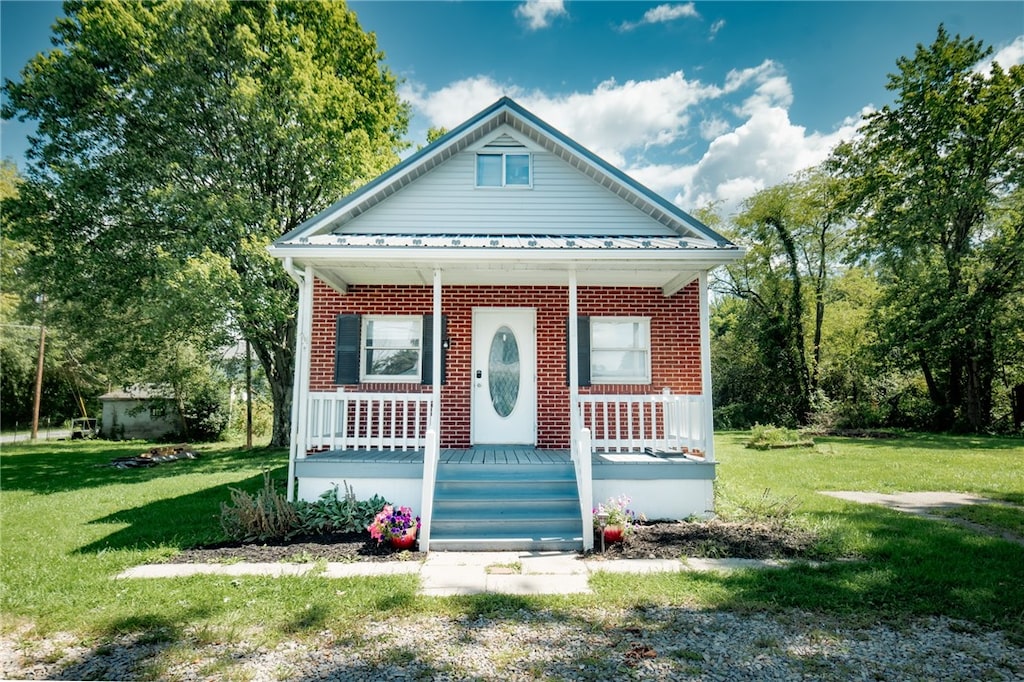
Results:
x,y
654,540
710,539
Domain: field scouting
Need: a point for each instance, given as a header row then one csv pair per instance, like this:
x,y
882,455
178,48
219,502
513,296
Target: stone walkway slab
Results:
x,y
463,573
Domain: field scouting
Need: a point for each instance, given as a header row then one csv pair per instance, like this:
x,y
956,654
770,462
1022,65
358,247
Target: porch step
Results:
x,y
506,507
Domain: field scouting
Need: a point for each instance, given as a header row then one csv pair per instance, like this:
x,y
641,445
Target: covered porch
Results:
x,y
651,448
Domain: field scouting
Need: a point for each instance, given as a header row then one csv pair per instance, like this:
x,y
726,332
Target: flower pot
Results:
x,y
613,534
404,542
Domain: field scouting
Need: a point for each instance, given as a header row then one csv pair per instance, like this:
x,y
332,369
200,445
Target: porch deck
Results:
x,y
384,462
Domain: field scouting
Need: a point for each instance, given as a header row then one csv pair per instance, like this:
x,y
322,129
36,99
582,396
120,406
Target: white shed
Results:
x,y
138,412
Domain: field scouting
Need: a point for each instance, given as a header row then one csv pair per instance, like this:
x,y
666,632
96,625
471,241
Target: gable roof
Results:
x,y
505,111
343,250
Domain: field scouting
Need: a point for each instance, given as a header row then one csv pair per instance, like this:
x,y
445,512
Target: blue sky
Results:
x,y
705,101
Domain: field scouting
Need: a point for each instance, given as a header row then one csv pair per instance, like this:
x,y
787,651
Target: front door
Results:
x,y
504,376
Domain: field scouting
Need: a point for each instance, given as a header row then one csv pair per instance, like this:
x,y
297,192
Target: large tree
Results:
x,y
795,231
175,140
938,177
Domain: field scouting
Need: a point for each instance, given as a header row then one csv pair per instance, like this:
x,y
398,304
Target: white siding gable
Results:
x,y
562,201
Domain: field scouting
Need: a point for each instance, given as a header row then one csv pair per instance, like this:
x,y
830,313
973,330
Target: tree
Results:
x,y
937,181
176,140
795,234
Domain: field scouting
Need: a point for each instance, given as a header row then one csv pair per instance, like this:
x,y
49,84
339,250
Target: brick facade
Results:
x,y
675,342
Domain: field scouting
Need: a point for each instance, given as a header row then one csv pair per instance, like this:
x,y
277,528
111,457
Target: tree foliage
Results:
x,y
177,139
885,287
794,232
937,179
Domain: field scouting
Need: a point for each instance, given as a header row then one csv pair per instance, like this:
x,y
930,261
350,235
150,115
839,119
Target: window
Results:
x,y
503,170
391,349
620,350
386,348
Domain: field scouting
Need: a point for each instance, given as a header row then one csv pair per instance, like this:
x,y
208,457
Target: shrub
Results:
x,y
771,511
768,437
205,414
338,514
267,515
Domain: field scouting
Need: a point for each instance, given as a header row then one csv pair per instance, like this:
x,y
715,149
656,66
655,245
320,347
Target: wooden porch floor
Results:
x,y
490,454
480,454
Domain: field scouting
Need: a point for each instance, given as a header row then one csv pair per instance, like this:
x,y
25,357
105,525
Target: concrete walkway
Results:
x,y
460,573
930,505
915,503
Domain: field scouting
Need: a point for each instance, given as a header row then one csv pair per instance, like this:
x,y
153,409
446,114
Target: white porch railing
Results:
x,y
638,423
342,420
580,452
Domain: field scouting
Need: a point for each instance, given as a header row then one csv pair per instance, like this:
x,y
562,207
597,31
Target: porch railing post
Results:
x,y
430,457
586,487
299,432
705,369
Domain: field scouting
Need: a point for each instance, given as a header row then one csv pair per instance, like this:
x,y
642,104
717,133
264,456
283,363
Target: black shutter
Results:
x,y
427,370
346,350
583,338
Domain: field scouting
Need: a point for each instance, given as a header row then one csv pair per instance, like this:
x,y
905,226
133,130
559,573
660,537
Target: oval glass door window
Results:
x,y
503,371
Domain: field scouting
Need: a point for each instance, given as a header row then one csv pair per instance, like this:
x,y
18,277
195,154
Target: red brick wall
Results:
x,y
675,342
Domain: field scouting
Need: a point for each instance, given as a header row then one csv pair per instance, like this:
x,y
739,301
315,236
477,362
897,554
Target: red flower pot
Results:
x,y
404,542
613,534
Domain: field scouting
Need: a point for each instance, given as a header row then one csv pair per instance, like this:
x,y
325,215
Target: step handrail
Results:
x,y
580,452
431,456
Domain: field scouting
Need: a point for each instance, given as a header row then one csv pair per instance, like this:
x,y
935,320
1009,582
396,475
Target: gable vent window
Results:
x,y
503,170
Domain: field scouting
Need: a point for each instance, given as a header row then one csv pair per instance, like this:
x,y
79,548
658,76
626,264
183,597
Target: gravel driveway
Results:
x,y
663,643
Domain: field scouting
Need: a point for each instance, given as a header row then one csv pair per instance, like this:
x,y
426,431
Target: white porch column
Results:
x,y
705,368
437,350
300,379
574,344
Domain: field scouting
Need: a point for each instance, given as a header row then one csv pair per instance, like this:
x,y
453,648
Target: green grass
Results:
x,y
908,566
70,523
993,516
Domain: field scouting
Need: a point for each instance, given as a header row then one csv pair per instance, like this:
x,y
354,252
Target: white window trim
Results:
x,y
645,323
388,378
503,155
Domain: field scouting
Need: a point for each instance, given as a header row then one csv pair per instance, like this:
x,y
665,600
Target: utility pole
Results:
x,y
248,396
41,299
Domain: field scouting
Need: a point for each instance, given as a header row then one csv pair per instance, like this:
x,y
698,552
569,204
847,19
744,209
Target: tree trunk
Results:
x,y
1017,405
277,356
980,371
795,323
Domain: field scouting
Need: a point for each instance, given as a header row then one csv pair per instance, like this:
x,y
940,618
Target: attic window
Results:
x,y
503,170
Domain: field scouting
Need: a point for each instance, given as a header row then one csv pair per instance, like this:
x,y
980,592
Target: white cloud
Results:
x,y
458,101
663,14
539,14
612,120
690,141
710,128
763,151
1006,56
715,28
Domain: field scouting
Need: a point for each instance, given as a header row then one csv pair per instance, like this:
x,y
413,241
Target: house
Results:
x,y
142,412
500,332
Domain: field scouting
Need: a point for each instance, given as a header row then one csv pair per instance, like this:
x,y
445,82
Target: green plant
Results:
x,y
334,513
769,437
267,515
617,513
772,511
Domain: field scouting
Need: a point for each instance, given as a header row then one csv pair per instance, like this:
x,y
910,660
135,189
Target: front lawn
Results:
x,y
70,523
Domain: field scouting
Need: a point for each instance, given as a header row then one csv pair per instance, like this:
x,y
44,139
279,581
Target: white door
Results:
x,y
504,376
